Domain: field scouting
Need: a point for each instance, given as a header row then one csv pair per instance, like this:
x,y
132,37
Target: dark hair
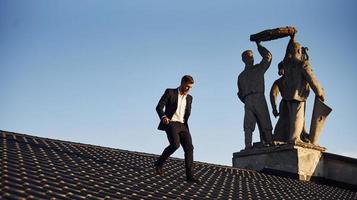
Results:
x,y
187,79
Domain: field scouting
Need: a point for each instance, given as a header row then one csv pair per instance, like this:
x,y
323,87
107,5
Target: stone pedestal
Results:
x,y
301,160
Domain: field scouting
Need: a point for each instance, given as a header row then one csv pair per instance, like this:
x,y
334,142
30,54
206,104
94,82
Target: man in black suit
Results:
x,y
177,103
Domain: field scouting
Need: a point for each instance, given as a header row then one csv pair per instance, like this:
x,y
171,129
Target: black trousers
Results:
x,y
177,133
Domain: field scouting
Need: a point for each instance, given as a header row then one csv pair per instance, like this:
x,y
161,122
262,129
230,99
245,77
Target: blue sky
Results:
x,y
93,71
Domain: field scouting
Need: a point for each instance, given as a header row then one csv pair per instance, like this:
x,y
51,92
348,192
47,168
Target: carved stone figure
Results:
x,y
281,129
251,93
299,78
282,126
294,86
319,115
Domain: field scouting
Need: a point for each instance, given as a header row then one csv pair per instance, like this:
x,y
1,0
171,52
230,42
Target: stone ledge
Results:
x,y
300,159
278,146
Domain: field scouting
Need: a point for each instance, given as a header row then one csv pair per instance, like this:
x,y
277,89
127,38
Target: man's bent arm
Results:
x,y
274,92
188,110
160,106
239,93
311,79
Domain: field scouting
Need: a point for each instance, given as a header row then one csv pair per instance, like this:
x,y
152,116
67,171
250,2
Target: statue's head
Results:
x,y
293,51
247,57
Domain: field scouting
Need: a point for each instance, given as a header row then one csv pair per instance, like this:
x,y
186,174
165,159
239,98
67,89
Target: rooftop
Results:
x,y
41,168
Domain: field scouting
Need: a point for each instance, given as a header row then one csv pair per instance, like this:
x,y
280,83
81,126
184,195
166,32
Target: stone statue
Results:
x,y
281,129
251,93
294,86
299,78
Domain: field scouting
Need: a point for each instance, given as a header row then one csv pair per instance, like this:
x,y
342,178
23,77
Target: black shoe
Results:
x,y
192,180
158,169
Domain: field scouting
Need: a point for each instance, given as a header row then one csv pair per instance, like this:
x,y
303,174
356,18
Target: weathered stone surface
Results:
x,y
251,92
294,86
273,34
304,160
338,168
319,115
300,158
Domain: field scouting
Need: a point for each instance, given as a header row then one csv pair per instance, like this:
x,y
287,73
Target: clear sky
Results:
x,y
93,71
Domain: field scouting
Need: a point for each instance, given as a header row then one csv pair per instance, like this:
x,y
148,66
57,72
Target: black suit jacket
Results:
x,y
169,101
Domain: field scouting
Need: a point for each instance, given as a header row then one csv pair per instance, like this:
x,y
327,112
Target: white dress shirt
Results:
x,y
181,107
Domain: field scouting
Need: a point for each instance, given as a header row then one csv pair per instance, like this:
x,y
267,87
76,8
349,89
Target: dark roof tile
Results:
x,y
35,168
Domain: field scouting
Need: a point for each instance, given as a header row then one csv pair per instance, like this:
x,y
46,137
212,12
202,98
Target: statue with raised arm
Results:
x,y
294,86
299,78
251,93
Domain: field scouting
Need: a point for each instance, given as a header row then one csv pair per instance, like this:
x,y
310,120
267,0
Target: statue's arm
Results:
x,y
311,79
239,93
266,57
274,92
